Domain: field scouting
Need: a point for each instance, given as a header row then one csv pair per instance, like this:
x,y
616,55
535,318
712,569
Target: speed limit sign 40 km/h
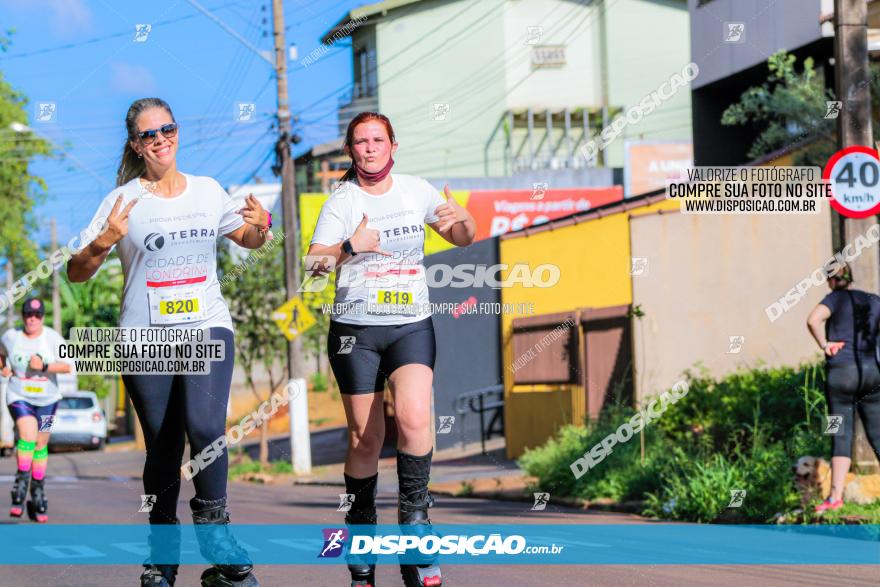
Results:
x,y
854,174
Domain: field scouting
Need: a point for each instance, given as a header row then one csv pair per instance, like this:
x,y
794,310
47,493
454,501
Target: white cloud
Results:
x,y
132,79
66,18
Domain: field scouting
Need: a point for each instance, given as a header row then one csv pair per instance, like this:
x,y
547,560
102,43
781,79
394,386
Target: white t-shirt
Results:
x,y
169,256
35,387
380,290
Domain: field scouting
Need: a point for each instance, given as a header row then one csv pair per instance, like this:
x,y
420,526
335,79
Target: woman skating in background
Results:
x,y
29,357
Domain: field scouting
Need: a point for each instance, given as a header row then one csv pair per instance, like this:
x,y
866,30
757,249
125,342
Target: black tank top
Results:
x,y
855,316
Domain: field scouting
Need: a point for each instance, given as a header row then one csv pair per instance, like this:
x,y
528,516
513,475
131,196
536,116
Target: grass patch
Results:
x,y
466,489
249,466
741,432
244,467
851,512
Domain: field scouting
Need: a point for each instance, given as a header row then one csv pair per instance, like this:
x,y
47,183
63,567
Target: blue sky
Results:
x,y
82,55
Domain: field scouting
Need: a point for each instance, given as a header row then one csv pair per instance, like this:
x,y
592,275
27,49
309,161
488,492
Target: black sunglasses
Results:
x,y
33,315
168,130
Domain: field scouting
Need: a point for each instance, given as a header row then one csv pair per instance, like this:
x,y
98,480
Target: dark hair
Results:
x,y
842,276
132,165
349,135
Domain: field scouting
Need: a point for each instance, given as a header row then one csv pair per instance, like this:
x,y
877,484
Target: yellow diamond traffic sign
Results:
x,y
293,318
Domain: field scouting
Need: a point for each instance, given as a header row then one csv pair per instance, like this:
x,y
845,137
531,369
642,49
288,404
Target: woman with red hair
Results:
x,y
381,328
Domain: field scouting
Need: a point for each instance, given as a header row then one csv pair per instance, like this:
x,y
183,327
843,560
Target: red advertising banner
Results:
x,y
500,211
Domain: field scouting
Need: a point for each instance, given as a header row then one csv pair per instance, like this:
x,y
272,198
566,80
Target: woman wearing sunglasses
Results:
x,y
165,225
374,227
845,325
29,357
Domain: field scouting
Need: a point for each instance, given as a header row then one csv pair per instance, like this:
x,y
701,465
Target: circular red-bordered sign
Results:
x,y
854,174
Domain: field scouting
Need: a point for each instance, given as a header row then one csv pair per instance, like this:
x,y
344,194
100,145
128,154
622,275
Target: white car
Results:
x,y
79,421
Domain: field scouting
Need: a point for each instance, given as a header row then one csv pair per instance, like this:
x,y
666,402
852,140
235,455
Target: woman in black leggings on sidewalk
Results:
x,y
165,225
845,325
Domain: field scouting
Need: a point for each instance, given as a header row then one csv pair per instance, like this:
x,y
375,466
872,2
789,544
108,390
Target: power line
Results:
x,y
197,120
235,74
493,102
490,66
93,40
230,30
314,16
63,150
107,168
374,69
487,74
260,166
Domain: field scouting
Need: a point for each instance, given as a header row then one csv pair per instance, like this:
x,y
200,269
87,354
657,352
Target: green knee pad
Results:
x,y
25,446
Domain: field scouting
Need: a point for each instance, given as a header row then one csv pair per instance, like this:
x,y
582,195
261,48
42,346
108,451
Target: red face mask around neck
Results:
x,y
374,176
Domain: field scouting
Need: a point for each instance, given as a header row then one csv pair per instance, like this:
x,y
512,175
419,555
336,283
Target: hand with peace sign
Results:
x,y
366,240
117,224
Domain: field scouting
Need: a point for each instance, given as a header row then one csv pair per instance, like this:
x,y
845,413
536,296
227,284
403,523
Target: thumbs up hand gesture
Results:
x,y
450,212
366,240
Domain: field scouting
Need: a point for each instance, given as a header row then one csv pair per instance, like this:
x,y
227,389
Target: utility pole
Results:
x,y
854,128
300,441
56,293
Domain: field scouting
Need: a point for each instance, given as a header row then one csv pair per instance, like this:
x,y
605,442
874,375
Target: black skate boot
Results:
x,y
216,543
19,493
362,513
412,513
38,505
160,569
159,575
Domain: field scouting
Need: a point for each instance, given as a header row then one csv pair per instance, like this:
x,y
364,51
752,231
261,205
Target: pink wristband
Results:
x,y
268,225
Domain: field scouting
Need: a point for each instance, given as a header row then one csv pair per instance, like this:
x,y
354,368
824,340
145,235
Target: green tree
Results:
x,y
19,188
253,288
93,303
98,383
790,107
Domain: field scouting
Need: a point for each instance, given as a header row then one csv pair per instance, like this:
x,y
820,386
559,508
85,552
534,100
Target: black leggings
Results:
x,y
168,406
847,391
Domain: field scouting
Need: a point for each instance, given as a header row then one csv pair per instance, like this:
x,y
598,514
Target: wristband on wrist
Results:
x,y
45,367
264,229
346,246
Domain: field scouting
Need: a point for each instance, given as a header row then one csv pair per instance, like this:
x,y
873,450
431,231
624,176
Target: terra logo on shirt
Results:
x,y
154,241
403,230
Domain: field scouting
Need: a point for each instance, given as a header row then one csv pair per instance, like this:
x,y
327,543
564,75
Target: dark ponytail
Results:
x,y
350,174
132,165
349,136
841,276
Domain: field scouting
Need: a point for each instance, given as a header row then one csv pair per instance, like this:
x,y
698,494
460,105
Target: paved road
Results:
x,y
104,488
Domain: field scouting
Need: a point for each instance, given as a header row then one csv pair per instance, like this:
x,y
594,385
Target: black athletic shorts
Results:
x,y
363,357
